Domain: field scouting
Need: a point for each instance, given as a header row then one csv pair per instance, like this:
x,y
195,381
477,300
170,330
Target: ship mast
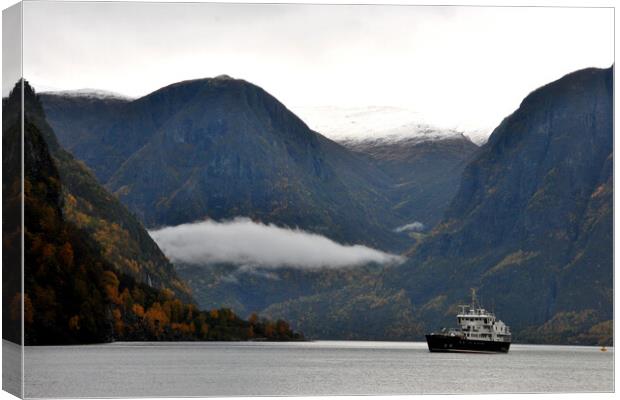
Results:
x,y
473,299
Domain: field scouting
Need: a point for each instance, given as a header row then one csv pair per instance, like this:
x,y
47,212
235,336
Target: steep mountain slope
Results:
x,y
425,172
72,292
82,121
125,243
531,224
12,230
221,148
531,228
64,295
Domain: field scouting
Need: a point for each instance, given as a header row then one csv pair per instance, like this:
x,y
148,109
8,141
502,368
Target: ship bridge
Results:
x,y
479,324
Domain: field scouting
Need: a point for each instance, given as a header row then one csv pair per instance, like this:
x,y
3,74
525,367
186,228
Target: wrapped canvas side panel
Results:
x,y
12,202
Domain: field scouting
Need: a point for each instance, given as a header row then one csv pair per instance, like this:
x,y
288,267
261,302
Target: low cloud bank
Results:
x,y
413,227
247,243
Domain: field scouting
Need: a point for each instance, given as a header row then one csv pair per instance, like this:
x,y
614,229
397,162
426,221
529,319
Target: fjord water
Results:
x,y
307,368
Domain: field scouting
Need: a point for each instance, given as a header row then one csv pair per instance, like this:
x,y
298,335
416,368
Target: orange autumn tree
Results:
x,y
138,310
111,283
156,319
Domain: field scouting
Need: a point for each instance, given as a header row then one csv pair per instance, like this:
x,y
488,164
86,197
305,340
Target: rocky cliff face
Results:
x,y
222,148
531,224
91,272
425,172
82,122
125,243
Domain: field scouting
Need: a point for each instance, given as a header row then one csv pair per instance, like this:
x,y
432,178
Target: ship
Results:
x,y
479,331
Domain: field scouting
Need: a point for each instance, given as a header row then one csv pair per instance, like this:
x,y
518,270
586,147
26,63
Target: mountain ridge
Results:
x,y
127,244
182,139
73,291
528,219
539,253
532,207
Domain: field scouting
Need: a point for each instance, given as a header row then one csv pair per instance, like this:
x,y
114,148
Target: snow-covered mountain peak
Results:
x,y
377,123
90,93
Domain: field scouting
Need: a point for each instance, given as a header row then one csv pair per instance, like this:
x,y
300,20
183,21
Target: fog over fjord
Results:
x,y
244,242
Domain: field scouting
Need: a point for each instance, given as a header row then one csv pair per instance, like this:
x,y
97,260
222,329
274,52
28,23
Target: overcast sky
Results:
x,y
465,67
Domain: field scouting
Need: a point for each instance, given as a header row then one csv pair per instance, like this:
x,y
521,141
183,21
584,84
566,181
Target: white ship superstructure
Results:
x,y
480,324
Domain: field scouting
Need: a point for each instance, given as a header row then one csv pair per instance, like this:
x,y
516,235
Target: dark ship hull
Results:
x,y
448,343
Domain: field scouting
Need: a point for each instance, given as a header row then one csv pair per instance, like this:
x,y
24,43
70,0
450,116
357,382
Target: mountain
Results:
x,y
425,171
344,304
73,290
422,163
531,225
221,148
12,231
82,122
530,228
90,207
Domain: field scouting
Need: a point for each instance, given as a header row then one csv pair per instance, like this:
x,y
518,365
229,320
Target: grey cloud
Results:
x,y
414,227
253,244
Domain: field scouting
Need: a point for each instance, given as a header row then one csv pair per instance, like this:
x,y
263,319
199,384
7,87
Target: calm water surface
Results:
x,y
308,368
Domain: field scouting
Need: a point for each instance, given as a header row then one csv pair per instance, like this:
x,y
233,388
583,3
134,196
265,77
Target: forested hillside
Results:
x,y
74,291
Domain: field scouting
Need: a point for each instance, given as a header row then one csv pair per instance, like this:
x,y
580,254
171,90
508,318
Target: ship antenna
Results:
x,y
473,298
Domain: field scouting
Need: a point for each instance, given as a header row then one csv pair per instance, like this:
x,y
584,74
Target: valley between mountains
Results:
x,y
374,238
